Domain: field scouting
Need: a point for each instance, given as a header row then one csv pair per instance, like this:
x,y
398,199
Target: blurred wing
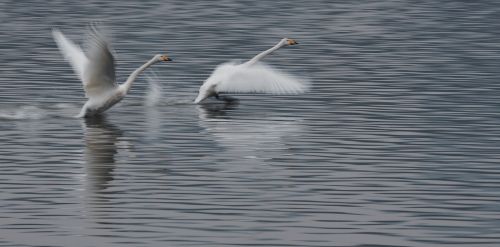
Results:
x,y
99,73
73,53
258,78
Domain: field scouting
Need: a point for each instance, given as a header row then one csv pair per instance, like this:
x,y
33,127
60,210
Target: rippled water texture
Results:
x,y
396,144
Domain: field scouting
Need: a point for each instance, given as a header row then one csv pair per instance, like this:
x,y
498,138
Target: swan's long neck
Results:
x,y
131,78
264,53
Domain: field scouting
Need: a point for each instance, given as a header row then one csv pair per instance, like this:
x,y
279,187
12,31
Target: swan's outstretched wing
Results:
x,y
72,52
99,73
97,70
257,78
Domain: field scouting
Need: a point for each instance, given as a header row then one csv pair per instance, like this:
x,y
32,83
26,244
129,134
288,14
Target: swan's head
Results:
x,y
162,58
287,41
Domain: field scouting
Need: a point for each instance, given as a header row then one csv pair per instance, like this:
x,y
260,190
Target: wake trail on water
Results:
x,y
36,112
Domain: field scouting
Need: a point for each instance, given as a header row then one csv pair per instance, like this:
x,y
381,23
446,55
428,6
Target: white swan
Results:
x,y
96,70
251,77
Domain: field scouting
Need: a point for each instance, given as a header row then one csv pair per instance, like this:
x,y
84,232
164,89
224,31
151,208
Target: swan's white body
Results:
x,y
96,70
252,77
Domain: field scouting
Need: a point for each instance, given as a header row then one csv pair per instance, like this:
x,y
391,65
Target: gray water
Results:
x,y
396,144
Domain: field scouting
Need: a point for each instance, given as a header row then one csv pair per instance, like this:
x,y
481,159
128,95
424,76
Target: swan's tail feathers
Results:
x,y
81,114
206,90
201,96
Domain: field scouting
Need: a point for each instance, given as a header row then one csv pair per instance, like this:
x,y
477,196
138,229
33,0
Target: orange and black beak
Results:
x,y
292,42
165,59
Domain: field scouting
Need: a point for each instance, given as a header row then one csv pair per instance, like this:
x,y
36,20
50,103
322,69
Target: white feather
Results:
x,y
99,73
72,52
256,78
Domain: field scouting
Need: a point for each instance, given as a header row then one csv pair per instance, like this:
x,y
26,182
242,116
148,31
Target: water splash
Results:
x,y
157,96
154,94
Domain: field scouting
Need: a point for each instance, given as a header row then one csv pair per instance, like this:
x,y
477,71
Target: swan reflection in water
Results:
x,y
252,137
101,140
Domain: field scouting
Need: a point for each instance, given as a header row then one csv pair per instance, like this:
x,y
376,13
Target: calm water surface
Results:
x,y
397,143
